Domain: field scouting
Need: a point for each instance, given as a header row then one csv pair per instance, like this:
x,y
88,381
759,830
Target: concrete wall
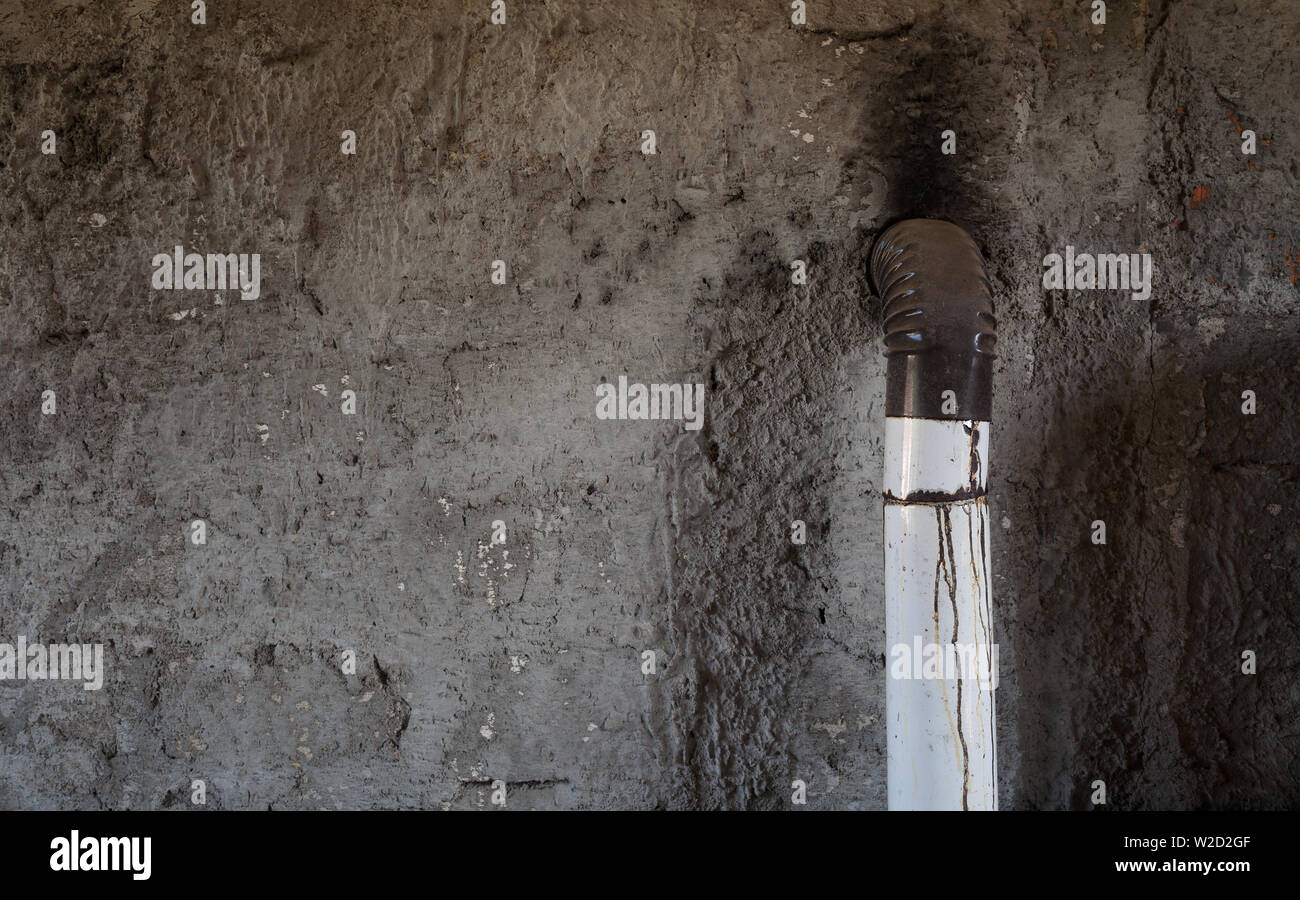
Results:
x,y
372,533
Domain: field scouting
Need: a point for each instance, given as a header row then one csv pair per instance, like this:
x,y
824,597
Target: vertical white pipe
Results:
x,y
940,335
942,662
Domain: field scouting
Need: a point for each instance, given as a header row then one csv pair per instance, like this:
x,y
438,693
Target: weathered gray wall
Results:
x,y
371,532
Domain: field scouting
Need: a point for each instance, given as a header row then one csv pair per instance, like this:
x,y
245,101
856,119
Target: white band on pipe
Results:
x,y
934,456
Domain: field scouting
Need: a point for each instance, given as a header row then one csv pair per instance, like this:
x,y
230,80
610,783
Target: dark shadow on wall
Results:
x,y
1130,654
743,611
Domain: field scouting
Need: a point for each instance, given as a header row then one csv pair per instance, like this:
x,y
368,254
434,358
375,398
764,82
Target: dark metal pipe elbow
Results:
x,y
940,333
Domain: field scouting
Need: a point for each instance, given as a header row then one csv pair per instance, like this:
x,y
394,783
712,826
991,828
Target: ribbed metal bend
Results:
x,y
940,333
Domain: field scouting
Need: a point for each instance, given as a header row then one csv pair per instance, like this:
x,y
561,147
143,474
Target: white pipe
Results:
x,y
942,659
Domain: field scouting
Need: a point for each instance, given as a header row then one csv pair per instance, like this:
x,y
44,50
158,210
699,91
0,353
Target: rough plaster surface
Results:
x,y
371,532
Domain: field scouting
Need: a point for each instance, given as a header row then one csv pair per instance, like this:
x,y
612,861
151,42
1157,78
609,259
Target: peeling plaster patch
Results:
x,y
460,569
1177,529
1021,109
1211,329
833,729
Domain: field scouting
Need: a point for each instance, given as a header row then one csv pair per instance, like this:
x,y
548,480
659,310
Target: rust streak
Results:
x,y
950,576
